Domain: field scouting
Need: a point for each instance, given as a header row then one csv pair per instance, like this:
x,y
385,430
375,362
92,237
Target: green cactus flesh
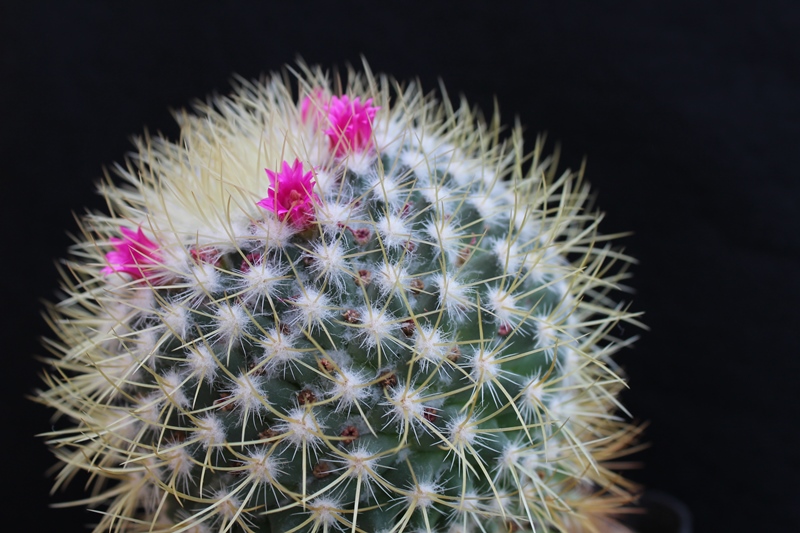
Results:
x,y
431,352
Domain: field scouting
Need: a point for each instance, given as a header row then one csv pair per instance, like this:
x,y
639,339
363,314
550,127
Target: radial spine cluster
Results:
x,y
341,305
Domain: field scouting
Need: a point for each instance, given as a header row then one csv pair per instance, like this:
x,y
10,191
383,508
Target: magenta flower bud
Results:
x,y
351,124
291,194
134,254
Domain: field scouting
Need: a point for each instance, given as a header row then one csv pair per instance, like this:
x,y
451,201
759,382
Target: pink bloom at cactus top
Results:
x,y
351,124
132,254
291,194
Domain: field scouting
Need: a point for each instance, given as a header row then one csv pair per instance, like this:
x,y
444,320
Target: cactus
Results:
x,y
359,310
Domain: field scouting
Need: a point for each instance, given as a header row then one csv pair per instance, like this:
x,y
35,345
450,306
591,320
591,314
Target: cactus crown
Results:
x,y
352,310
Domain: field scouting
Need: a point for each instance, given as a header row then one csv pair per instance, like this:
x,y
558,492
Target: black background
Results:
x,y
688,113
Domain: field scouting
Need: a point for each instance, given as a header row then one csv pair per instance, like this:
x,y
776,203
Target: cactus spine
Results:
x,y
358,311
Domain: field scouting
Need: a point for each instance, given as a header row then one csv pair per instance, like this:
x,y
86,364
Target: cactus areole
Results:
x,y
341,305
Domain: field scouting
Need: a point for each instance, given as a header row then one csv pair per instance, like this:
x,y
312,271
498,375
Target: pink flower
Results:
x,y
291,194
351,124
133,254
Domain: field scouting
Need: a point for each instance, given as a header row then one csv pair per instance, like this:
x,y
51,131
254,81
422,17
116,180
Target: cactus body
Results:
x,y
341,312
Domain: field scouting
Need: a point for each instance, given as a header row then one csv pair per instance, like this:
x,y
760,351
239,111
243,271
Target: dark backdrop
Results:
x,y
688,113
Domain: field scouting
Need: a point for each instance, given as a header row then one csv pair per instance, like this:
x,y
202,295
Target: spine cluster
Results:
x,y
362,312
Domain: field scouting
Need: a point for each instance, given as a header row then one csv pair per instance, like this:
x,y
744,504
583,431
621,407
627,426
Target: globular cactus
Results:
x,y
341,306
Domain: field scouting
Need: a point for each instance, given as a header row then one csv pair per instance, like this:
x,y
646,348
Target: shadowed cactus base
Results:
x,y
341,306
